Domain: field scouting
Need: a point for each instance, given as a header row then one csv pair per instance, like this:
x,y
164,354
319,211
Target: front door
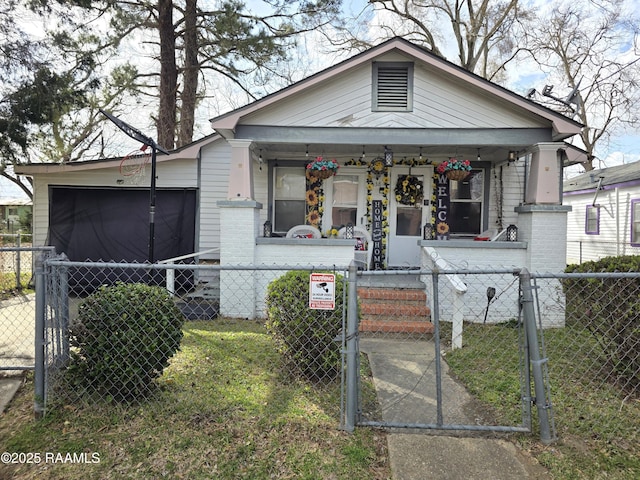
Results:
x,y
406,221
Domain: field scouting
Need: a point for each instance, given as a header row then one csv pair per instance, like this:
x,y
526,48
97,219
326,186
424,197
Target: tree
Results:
x,y
591,49
194,43
483,32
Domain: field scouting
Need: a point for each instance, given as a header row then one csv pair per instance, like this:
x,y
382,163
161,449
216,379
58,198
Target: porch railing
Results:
x,y
171,273
459,288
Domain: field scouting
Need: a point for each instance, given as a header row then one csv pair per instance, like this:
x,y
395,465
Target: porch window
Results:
x,y
635,223
466,204
392,87
592,222
288,198
344,208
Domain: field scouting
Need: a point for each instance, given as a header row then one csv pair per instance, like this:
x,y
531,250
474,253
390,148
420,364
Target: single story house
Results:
x,y
12,211
389,117
604,219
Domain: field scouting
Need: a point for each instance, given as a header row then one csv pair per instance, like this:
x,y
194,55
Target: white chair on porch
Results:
x,y
304,231
363,247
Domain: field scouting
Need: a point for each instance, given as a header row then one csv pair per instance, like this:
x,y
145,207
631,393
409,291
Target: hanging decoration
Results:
x,y
455,169
322,168
314,200
409,190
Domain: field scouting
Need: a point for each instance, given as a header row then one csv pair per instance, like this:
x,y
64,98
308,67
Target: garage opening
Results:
x,y
112,225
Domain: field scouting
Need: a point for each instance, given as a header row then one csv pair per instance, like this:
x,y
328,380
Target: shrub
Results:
x,y
610,309
123,339
305,337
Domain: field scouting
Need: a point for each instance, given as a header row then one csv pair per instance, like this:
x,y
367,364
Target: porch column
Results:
x,y
240,171
545,174
239,227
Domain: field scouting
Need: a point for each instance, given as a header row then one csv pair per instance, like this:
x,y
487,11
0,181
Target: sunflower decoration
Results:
x,y
312,197
442,228
409,190
313,218
377,167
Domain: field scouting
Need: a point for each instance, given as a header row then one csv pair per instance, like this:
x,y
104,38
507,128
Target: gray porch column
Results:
x,y
239,227
545,174
240,171
542,223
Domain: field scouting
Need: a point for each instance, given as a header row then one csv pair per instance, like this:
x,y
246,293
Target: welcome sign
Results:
x,y
442,207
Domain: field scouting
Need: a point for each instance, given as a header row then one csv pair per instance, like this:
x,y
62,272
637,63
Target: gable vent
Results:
x,y
393,87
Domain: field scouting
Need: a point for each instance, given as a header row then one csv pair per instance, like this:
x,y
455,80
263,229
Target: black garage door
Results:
x,y
102,224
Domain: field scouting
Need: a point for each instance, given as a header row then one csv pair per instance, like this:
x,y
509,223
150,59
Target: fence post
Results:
x,y
39,374
352,349
534,356
18,259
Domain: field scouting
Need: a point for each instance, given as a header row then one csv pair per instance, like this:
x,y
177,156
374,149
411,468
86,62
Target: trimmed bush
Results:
x,y
305,337
610,309
123,339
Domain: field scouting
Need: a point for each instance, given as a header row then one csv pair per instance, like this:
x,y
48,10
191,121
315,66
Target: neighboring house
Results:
x,y
605,213
11,210
393,111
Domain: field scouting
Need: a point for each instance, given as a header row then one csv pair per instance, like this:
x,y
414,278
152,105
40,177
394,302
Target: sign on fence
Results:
x,y
322,291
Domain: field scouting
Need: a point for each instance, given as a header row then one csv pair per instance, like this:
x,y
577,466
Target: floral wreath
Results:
x,y
409,190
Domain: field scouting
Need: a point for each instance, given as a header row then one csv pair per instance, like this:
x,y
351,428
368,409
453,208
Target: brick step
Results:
x,y
396,326
392,294
395,309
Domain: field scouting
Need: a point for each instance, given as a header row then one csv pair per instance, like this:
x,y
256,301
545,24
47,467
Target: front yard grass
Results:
x,y
598,426
224,411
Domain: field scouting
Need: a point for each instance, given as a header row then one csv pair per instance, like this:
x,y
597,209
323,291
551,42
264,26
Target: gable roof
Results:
x,y
612,177
563,126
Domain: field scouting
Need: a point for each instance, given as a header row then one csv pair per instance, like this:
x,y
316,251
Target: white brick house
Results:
x,y
390,114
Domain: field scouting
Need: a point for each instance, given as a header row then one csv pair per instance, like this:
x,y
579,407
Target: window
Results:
x,y
592,221
392,87
466,204
635,223
289,202
344,208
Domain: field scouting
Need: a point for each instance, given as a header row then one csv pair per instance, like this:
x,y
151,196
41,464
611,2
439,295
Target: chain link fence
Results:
x,y
427,334
594,360
470,321
110,328
17,302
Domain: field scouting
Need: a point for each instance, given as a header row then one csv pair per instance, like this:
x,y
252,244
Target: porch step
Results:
x,y
387,309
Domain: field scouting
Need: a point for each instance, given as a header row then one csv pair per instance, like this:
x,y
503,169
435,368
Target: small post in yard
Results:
x,y
535,360
352,349
39,374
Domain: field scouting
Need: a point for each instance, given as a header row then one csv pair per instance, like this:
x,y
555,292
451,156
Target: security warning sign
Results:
x,y
322,291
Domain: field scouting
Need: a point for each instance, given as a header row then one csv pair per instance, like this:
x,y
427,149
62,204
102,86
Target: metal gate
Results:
x,y
432,349
17,306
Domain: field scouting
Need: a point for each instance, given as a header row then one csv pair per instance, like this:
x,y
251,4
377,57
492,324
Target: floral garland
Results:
x,y
314,201
409,190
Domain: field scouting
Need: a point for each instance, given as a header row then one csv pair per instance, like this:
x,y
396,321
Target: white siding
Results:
x,y
439,101
615,228
215,160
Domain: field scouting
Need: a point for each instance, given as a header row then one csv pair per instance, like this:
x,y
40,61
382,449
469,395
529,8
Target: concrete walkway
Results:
x,y
404,378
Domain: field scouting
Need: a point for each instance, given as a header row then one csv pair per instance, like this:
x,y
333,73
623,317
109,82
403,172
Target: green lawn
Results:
x,y
597,424
224,411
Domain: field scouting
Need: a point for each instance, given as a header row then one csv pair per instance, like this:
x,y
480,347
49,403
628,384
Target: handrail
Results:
x,y
171,274
460,288
190,255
